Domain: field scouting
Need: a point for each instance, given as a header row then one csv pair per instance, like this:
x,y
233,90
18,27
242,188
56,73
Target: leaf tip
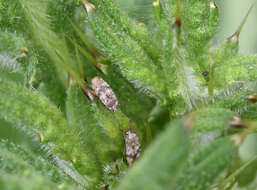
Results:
x,y
235,36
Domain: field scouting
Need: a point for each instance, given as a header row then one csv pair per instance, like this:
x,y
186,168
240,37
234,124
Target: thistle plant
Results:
x,y
98,100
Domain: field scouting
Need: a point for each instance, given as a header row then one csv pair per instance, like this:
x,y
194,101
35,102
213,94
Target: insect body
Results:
x,y
252,97
132,147
104,92
236,122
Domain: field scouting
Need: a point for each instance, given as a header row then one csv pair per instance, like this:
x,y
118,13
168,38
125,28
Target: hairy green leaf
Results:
x,y
39,117
16,160
204,168
35,181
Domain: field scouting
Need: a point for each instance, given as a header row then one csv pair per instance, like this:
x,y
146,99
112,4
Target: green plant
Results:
x,y
191,105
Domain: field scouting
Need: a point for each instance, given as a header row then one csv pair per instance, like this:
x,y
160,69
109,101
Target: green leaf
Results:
x,y
39,117
189,84
35,181
10,69
235,98
235,70
35,68
18,56
199,22
205,166
16,160
211,119
248,175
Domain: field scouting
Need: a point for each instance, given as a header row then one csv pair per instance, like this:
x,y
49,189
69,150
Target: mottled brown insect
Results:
x,y
252,97
132,147
236,122
104,92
